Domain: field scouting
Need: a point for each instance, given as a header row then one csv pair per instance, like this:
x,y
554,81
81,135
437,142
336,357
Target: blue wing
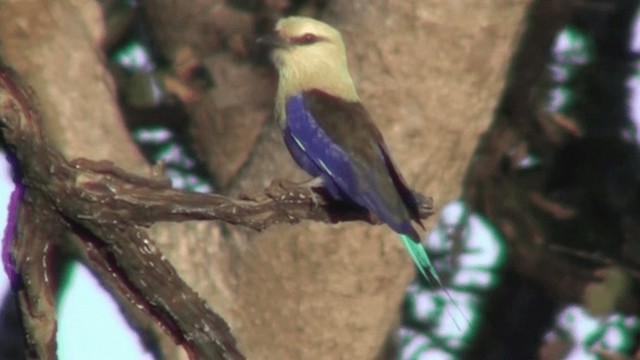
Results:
x,y
335,139
314,151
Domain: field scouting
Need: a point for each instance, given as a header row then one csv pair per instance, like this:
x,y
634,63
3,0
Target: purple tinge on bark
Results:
x,y
9,235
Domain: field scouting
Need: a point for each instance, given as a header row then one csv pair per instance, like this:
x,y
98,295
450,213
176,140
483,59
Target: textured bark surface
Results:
x,y
55,47
430,73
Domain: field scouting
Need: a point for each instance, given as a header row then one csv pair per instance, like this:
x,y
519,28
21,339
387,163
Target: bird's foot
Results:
x,y
303,189
309,185
313,183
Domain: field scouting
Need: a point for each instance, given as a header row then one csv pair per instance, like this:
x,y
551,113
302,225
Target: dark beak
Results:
x,y
272,40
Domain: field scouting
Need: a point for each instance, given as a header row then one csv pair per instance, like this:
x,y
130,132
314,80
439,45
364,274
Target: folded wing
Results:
x,y
337,140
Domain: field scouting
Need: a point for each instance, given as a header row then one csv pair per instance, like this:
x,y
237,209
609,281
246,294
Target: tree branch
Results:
x,y
32,249
109,208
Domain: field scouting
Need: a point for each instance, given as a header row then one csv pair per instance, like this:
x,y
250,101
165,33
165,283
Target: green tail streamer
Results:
x,y
421,259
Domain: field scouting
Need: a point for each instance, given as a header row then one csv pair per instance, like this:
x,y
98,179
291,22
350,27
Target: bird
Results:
x,y
332,136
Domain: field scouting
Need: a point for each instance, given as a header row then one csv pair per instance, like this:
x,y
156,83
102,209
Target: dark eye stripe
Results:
x,y
305,39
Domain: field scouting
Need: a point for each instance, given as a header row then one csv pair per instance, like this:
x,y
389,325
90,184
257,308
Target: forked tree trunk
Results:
x,y
429,71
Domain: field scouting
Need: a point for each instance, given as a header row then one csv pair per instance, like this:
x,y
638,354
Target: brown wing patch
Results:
x,y
347,123
350,126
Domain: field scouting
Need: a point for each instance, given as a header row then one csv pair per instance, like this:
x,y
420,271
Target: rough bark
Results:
x,y
109,209
55,47
429,72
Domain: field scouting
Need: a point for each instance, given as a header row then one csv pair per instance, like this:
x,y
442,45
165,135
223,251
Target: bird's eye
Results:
x,y
305,39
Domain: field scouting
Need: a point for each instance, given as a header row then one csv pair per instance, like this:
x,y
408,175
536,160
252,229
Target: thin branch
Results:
x,y
143,201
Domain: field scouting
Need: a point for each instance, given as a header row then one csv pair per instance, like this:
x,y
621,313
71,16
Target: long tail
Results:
x,y
421,259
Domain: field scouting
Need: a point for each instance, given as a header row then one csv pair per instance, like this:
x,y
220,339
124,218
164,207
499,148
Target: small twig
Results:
x,y
596,258
554,209
568,124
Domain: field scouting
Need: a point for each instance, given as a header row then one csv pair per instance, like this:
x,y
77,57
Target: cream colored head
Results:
x,y
310,54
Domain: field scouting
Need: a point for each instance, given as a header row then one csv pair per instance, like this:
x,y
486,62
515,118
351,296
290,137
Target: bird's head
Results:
x,y
310,54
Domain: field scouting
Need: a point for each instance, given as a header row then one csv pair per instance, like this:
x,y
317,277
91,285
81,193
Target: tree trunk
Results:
x,y
429,72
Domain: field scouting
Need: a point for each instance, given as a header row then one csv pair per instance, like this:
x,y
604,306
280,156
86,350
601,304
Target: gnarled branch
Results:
x,y
109,209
